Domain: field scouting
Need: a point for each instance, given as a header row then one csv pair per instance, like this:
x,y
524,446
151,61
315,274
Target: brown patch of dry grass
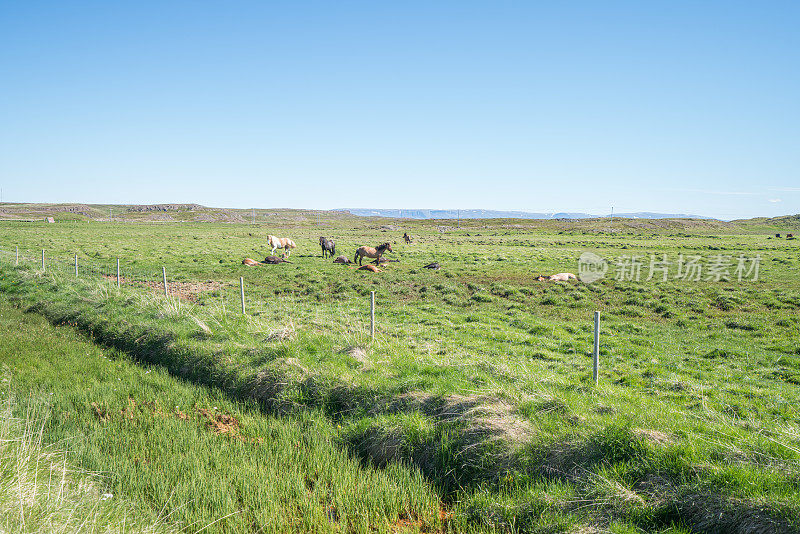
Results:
x,y
220,423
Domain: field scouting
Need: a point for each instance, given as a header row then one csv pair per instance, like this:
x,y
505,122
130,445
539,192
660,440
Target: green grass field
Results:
x,y
473,409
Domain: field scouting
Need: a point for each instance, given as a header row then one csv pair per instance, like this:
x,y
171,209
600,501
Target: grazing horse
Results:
x,y
281,242
370,252
407,238
328,246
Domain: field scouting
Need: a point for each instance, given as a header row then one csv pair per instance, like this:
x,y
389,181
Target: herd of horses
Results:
x,y
328,247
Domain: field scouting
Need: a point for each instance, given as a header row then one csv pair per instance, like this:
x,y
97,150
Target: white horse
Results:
x,y
560,277
281,242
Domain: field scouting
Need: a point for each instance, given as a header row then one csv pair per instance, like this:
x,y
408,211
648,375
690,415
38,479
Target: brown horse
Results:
x,y
370,252
407,237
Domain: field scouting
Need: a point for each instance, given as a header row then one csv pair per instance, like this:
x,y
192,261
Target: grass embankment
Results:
x,y
655,450
185,454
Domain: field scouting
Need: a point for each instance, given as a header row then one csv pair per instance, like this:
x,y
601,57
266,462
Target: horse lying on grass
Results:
x,y
269,260
560,277
273,260
370,252
281,242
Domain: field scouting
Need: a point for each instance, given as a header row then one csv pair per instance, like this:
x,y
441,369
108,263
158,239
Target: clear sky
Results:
x,y
539,106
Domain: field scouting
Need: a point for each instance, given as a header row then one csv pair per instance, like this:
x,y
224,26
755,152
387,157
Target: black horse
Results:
x,y
407,237
328,246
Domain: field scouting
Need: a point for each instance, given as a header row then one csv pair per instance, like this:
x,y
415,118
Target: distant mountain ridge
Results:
x,y
495,214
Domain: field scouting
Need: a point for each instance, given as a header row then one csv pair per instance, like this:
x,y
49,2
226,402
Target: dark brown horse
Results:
x,y
370,252
328,247
274,260
407,237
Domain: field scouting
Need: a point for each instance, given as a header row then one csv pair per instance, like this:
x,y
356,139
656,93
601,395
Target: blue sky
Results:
x,y
539,106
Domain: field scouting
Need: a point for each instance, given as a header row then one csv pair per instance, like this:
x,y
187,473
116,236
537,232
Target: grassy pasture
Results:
x,y
186,453
480,376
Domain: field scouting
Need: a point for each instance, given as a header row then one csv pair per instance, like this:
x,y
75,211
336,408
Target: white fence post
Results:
x,y
164,272
596,352
372,315
241,287
76,265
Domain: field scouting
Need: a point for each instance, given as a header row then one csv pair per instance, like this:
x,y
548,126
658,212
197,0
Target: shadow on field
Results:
x,y
472,441
459,443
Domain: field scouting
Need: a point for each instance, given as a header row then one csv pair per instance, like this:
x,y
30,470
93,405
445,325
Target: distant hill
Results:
x,y
289,218
172,212
652,215
493,214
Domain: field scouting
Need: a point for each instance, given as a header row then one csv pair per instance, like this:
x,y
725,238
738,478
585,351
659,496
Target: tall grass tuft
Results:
x,y
40,492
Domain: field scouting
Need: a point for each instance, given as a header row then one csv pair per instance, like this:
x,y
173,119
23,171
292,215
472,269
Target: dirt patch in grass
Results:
x,y
101,412
183,290
220,423
217,422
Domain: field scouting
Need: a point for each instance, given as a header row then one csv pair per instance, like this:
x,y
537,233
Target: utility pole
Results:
x,y
612,219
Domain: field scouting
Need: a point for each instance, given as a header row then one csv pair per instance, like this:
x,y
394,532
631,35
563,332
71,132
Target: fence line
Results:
x,y
350,312
252,297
